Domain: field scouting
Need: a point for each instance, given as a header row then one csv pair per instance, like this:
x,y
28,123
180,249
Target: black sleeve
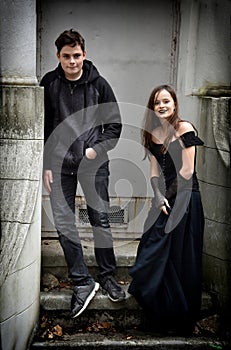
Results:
x,y
109,115
190,139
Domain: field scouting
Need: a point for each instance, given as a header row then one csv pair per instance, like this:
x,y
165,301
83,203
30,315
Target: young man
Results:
x,y
82,123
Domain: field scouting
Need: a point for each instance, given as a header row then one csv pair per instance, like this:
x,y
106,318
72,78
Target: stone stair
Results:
x,y
104,324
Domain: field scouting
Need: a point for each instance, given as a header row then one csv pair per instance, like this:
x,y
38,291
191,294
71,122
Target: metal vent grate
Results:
x,y
83,216
117,216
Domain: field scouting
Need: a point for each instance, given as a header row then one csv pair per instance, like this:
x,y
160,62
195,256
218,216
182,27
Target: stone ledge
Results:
x,y
119,341
61,300
52,254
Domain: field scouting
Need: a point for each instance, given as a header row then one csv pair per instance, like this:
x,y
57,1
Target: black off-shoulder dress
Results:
x,y
167,274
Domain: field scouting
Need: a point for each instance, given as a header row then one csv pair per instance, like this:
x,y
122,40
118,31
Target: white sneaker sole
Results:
x,y
116,300
89,298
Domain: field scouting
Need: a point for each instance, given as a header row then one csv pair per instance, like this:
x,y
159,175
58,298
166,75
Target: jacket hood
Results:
x,y
90,72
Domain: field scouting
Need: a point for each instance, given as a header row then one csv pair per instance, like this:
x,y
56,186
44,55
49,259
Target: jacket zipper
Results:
x,y
72,92
72,88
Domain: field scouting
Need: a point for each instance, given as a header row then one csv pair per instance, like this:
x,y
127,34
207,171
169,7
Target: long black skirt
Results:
x,y
167,274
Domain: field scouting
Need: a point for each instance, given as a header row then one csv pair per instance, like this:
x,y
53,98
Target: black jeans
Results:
x,y
94,183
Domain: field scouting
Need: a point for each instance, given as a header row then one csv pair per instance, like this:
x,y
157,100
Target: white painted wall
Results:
x,y
130,43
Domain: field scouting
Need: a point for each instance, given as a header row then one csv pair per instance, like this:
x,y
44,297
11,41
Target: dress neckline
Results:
x,y
161,144
176,139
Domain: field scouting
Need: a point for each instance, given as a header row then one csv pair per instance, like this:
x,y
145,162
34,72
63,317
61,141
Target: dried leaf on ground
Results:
x,y
49,281
44,322
210,324
129,337
196,330
57,330
99,326
50,335
106,325
66,285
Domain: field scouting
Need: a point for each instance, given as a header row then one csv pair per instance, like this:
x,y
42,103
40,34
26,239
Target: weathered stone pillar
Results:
x,y
215,175
21,145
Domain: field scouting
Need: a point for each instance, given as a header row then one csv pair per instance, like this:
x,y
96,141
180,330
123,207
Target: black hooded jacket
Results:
x,y
78,115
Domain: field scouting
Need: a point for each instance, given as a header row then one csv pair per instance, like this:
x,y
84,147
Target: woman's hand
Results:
x,y
90,153
166,207
47,179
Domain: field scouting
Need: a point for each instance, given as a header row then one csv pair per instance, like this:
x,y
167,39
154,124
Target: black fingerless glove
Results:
x,y
159,197
178,184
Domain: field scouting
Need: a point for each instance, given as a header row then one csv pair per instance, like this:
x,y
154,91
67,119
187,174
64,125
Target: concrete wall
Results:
x,y
204,86
215,175
21,143
204,60
131,42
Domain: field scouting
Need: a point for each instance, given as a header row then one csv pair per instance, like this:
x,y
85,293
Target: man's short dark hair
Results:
x,y
71,38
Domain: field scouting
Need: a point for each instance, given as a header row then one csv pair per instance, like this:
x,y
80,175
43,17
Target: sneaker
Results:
x,y
82,295
114,291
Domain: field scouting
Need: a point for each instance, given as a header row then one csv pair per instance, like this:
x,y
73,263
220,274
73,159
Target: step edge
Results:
x,y
150,343
49,301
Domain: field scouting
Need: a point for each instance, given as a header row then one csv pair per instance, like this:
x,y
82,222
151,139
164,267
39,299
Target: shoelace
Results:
x,y
112,283
78,298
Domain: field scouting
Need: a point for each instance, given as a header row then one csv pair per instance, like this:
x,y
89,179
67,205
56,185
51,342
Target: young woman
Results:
x,y
166,276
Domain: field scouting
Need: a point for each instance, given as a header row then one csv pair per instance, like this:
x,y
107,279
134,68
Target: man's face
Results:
x,y
71,59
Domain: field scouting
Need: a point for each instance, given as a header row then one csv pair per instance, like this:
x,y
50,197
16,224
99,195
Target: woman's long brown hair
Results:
x,y
151,121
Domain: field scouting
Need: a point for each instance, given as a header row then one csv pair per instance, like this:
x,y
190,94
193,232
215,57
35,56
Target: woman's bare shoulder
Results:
x,y
184,126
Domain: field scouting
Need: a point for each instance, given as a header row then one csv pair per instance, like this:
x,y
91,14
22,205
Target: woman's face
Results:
x,y
164,104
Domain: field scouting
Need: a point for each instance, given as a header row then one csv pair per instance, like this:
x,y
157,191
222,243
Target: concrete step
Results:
x,y
60,299
53,260
124,317
126,314
117,234
126,341
120,314
108,325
